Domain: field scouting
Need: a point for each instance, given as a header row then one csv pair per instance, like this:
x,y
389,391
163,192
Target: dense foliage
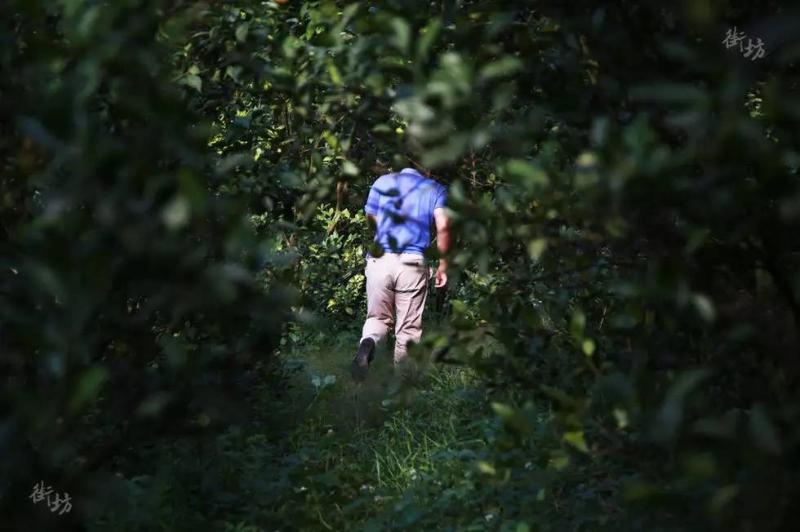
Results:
x,y
181,206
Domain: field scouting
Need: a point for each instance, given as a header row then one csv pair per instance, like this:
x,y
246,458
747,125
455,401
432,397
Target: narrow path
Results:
x,y
321,385
355,449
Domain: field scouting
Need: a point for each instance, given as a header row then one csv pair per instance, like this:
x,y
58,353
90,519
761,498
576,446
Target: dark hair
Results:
x,y
412,157
445,172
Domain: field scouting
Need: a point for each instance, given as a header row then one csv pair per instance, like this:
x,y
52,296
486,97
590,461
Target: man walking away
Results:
x,y
404,207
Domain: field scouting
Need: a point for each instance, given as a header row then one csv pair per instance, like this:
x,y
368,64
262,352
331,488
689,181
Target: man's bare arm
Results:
x,y
442,243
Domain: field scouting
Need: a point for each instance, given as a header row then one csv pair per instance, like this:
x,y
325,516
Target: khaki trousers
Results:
x,y
397,287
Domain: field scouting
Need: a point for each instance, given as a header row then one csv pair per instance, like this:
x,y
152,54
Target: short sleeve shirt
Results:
x,y
403,204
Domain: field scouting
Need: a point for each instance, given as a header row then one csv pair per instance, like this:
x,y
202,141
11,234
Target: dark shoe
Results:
x,y
363,358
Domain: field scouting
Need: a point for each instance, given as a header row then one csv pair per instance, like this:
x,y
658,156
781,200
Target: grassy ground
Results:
x,y
410,450
371,451
400,451
426,452
326,453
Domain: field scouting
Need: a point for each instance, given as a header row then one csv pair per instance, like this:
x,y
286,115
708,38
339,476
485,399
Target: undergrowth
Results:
x,y
320,453
405,450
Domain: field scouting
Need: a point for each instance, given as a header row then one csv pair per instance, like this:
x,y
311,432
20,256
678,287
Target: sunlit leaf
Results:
x,y
576,439
88,386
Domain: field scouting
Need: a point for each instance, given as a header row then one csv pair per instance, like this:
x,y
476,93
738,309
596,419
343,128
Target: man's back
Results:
x,y
403,204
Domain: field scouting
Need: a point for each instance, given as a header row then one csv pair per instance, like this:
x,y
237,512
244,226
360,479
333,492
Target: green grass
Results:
x,y
326,453
404,450
381,438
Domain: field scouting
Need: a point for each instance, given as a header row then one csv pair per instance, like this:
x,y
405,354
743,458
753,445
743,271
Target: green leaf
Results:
x,y
559,460
586,170
503,411
588,347
233,72
621,417
513,418
192,188
565,400
349,168
347,14
453,148
527,173
193,81
336,76
577,440
402,34
536,248
504,67
427,38
639,490
241,31
289,46
331,139
176,213
577,325
704,306
723,497
382,129
87,388
486,468
670,416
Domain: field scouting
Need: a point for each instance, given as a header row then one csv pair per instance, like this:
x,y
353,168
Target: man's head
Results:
x,y
412,158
